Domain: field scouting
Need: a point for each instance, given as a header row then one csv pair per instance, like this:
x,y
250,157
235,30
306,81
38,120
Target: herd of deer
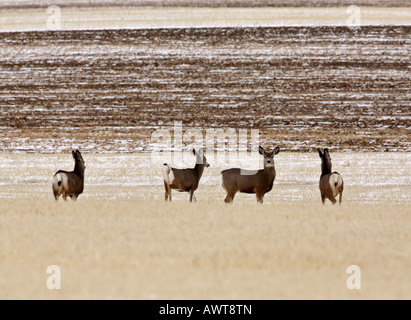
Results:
x,y
71,184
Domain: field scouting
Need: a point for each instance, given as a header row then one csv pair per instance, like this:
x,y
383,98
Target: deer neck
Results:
x,y
269,169
325,167
79,169
199,169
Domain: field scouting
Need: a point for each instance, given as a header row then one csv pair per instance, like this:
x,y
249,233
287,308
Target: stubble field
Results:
x,y
145,250
301,87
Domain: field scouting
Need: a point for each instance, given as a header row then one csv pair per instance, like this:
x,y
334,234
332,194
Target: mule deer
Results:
x,y
185,180
331,183
246,181
70,184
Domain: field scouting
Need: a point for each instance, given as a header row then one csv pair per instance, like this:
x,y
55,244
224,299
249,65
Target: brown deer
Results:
x,y
331,183
70,184
247,181
185,180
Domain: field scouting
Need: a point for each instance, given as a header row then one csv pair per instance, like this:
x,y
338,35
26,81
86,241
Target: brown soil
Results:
x,y
107,90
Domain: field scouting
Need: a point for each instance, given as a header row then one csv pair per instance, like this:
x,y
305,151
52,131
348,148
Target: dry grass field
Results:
x,y
120,240
129,249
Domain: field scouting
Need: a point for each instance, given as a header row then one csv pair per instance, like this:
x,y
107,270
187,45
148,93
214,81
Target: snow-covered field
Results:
x,y
368,177
301,87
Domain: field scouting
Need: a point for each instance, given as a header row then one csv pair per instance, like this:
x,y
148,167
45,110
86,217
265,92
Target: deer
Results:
x,y
331,183
185,180
70,184
247,181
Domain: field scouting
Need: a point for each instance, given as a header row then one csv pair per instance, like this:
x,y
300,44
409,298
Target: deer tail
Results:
x,y
168,174
59,180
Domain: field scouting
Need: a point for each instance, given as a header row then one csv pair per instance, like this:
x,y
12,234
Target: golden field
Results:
x,y
128,249
120,240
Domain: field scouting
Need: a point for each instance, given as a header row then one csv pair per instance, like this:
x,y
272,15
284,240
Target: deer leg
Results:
x,y
56,194
323,198
167,192
64,197
340,199
230,197
74,197
332,199
192,195
260,197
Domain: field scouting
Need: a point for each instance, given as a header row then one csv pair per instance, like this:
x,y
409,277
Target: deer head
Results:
x,y
268,156
78,158
200,157
325,160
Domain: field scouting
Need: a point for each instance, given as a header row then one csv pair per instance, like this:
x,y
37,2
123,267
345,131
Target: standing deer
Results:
x,y
70,184
331,183
185,180
246,181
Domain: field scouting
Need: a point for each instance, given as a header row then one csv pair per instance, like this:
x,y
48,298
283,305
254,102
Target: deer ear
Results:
x,y
261,150
73,153
326,151
320,152
276,150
